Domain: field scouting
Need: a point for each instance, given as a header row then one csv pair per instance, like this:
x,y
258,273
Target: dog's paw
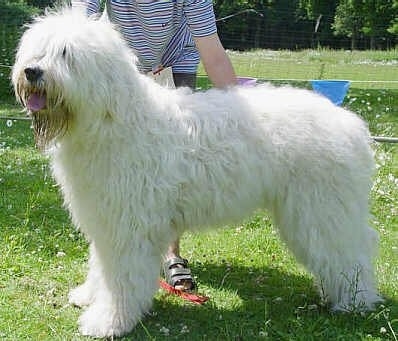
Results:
x,y
100,321
81,296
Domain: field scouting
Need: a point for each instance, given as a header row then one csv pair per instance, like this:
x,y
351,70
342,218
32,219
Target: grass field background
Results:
x,y
365,69
257,291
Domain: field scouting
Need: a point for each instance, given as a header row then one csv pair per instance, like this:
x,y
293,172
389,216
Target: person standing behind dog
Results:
x,y
174,34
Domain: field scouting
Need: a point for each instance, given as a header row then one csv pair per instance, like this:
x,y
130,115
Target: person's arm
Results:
x,y
215,60
202,25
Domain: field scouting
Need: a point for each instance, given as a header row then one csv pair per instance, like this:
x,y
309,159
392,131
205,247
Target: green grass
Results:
x,y
256,289
379,67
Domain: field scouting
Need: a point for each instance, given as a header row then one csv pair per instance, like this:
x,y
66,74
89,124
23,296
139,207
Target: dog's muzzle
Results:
x,y
35,98
49,116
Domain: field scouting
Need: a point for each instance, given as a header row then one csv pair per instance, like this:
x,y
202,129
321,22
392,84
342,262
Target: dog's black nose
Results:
x,y
33,73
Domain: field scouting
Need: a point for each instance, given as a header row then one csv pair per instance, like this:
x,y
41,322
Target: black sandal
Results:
x,y
177,274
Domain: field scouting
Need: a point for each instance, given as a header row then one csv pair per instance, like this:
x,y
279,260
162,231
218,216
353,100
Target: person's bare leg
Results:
x,y
173,250
186,281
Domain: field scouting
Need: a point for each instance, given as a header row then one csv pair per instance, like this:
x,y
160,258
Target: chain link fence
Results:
x,y
247,29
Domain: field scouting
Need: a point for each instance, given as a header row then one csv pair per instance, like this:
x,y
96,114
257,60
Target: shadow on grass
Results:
x,y
261,303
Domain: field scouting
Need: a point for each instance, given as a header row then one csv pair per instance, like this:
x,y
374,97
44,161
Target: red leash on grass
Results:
x,y
197,299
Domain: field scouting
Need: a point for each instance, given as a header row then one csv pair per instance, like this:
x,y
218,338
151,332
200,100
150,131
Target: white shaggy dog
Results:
x,y
139,164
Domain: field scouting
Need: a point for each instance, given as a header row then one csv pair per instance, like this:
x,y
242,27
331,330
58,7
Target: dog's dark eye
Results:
x,y
64,52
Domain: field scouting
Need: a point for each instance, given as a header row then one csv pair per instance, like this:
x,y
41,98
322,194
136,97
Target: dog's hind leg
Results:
x,y
126,277
326,228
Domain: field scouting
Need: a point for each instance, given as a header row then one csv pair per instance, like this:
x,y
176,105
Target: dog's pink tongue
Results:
x,y
36,102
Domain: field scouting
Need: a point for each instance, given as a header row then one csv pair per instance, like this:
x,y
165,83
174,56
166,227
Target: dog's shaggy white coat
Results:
x,y
139,164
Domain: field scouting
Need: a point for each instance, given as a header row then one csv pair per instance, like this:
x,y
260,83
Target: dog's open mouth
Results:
x,y
36,101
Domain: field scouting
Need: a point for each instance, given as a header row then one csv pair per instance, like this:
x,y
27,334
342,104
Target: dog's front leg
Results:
x,y
124,278
84,294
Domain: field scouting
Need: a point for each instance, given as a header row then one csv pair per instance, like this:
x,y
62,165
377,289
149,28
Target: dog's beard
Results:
x,y
48,125
50,117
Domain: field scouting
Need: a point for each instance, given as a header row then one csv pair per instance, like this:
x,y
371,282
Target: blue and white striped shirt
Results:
x,y
160,32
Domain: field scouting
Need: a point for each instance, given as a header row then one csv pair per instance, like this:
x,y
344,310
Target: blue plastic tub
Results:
x,y
335,90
